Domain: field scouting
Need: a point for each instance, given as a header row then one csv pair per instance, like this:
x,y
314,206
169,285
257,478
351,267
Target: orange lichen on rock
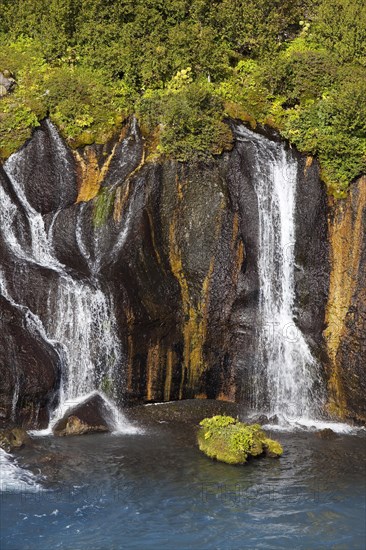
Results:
x,y
153,361
90,173
346,231
195,310
308,163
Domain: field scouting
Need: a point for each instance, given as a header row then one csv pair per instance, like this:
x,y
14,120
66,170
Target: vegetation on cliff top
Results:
x,y
182,66
228,440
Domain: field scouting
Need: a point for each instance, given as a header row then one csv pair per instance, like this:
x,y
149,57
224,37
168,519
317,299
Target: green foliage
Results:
x,y
103,206
333,127
298,65
217,422
84,104
302,72
247,88
214,424
106,386
190,116
340,25
231,441
21,110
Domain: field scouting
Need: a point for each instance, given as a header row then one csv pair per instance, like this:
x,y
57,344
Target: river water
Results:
x,y
154,489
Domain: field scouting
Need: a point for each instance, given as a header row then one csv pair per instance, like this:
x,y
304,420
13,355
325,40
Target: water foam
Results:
x,y
14,479
286,377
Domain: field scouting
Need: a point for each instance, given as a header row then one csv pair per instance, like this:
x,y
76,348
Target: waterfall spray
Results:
x,y
80,318
286,373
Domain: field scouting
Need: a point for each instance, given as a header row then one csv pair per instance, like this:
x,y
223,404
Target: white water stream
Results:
x,y
81,317
286,373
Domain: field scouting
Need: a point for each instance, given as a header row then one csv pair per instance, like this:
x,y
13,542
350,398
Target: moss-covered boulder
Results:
x,y
226,439
13,439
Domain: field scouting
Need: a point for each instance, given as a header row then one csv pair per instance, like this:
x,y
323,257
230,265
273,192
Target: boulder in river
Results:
x,y
327,433
90,416
227,440
13,439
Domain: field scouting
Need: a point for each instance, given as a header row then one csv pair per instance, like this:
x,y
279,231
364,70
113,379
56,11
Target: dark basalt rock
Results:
x,y
177,248
29,366
187,412
6,84
263,419
67,242
312,254
127,157
91,416
327,433
48,173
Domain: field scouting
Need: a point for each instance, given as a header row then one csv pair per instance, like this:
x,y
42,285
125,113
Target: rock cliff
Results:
x,y
174,246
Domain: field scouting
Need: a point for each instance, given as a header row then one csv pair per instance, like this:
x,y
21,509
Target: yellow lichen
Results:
x,y
153,240
90,174
195,325
308,163
345,235
153,360
120,200
168,375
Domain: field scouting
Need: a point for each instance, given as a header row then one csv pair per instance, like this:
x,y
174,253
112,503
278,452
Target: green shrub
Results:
x,y
340,25
80,99
191,120
182,67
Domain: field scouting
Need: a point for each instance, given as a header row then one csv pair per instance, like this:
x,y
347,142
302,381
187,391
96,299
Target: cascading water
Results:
x,y
286,373
80,318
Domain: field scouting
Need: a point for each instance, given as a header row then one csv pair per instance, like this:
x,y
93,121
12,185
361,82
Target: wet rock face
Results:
x,y
30,369
48,173
178,246
345,332
312,254
91,416
175,246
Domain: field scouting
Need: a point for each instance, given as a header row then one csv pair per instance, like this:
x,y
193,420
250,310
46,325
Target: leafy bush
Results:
x,y
191,120
340,25
297,65
84,104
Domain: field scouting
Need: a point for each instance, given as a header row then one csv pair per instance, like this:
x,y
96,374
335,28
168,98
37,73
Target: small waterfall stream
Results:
x,y
80,318
286,373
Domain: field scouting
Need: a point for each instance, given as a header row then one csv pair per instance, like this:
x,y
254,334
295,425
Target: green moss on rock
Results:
x,y
226,439
103,207
13,439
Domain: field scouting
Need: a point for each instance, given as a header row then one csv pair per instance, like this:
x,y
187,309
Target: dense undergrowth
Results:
x,y
182,66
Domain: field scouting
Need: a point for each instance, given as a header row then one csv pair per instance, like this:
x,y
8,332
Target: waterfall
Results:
x,y
286,373
80,317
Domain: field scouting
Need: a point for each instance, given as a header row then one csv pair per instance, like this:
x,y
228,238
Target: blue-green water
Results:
x,y
157,491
